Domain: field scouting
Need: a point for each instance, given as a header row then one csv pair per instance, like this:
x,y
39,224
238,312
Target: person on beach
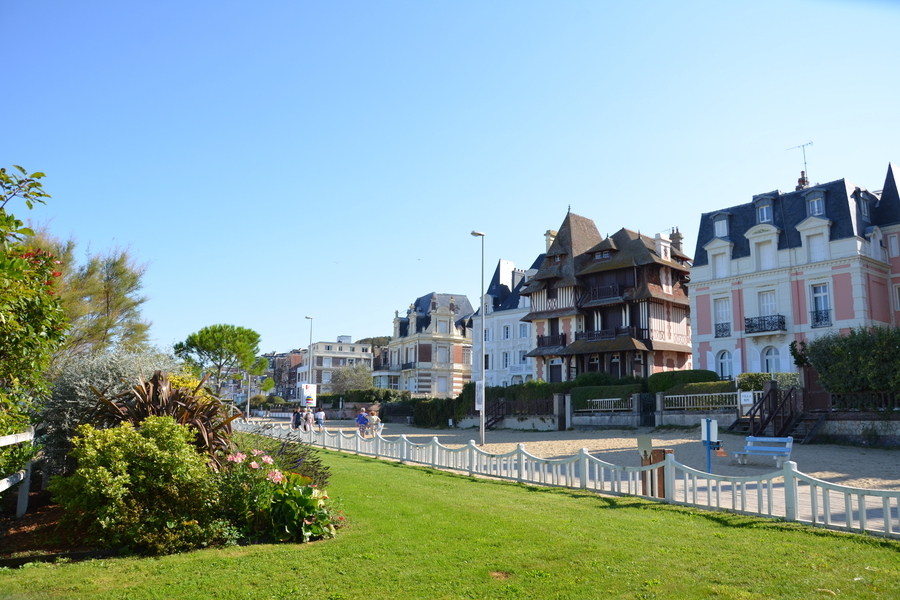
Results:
x,y
374,425
296,419
320,418
362,422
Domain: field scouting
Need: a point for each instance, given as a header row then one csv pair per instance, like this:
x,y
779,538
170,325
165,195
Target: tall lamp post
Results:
x,y
310,370
479,386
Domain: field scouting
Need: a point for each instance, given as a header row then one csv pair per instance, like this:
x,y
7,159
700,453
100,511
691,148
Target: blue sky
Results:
x,y
272,160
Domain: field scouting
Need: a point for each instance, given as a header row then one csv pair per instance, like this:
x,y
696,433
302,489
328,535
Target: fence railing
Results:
x,y
22,476
786,494
611,404
723,401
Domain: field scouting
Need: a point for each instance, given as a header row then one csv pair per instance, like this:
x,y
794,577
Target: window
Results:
x,y
364,349
864,206
767,306
487,361
816,206
721,228
821,306
765,252
340,348
443,354
722,311
442,385
724,365
442,326
523,330
720,265
764,213
327,348
487,334
467,355
507,332
505,358
817,248
771,360
523,360
893,246
326,377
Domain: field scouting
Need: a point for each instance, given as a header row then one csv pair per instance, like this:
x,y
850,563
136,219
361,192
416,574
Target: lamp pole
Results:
x,y
310,353
480,385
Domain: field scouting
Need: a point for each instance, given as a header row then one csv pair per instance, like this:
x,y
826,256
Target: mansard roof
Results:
x,y
841,200
566,255
419,312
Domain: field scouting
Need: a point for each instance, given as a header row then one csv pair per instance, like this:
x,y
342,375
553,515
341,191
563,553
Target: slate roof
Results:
x,y
790,208
630,249
420,312
575,236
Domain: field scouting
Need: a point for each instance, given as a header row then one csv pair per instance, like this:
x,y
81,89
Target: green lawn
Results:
x,y
416,533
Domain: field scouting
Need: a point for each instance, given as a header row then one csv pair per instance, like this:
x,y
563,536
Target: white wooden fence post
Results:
x,y
583,463
471,454
790,491
520,462
669,476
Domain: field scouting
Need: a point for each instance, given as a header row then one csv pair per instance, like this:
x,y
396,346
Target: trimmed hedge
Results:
x,y
581,395
370,396
662,382
753,382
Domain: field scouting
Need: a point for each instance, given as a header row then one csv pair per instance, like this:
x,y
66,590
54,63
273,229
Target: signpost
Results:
x,y
308,395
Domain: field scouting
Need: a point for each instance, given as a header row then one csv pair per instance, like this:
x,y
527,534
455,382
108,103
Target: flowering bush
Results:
x,y
264,500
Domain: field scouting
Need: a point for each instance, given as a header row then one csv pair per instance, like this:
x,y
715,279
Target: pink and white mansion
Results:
x,y
790,266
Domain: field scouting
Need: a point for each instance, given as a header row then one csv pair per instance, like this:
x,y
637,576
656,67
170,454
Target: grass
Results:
x,y
418,533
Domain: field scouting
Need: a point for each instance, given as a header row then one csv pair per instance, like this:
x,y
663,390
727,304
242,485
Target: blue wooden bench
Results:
x,y
777,447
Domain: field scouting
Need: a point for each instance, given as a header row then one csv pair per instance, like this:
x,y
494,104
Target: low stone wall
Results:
x,y
872,429
695,417
588,421
523,422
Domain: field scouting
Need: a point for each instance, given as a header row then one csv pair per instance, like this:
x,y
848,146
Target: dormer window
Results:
x,y
764,213
557,258
816,204
602,255
722,227
864,206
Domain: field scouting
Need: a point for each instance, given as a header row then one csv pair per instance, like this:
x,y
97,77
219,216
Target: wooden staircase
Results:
x,y
779,415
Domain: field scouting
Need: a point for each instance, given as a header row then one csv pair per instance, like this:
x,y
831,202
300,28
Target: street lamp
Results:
x,y
310,370
479,386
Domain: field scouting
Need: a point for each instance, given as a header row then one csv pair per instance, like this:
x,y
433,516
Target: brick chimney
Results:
x,y
803,182
550,237
676,238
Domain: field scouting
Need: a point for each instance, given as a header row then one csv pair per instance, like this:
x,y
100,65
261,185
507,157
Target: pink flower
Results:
x,y
268,460
237,458
275,476
258,452
254,465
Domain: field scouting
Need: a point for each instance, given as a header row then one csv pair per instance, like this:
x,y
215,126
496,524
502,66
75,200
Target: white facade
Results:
x,y
328,356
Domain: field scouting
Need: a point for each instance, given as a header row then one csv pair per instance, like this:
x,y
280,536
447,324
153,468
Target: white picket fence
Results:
x,y
23,476
786,493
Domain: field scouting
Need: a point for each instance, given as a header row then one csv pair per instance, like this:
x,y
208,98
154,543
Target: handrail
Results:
x,y
780,412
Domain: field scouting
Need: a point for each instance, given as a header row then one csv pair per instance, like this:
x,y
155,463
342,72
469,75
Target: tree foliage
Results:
x,y
376,342
867,359
101,297
351,377
32,322
222,349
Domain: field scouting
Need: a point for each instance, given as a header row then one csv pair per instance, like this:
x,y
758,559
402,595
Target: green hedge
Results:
x,y
436,412
663,382
704,387
864,360
753,382
581,395
370,396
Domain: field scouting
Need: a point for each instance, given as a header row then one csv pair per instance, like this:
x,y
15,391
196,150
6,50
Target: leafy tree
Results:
x,y
32,322
864,360
351,377
101,297
268,385
222,349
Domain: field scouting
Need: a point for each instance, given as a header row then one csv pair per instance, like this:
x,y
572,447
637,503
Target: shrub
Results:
x,y
661,382
581,395
146,489
864,360
72,403
436,412
754,381
196,408
292,456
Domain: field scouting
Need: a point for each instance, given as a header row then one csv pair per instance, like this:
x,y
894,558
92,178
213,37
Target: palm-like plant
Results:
x,y
197,408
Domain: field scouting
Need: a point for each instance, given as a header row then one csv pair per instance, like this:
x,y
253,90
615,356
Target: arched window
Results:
x,y
771,360
723,365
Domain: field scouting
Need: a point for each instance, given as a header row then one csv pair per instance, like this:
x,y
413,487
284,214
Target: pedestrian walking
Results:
x,y
320,418
362,422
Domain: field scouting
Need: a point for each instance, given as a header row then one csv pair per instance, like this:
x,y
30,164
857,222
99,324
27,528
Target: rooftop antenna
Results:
x,y
805,170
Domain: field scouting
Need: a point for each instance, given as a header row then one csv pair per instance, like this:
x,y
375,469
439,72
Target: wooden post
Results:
x,y
657,457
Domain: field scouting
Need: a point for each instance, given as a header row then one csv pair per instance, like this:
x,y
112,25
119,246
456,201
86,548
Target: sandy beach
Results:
x,y
874,468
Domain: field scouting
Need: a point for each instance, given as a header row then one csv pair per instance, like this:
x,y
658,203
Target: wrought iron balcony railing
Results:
x,y
723,330
764,324
820,318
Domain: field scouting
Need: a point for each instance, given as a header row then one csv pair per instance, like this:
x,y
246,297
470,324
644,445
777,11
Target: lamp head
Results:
x,y
310,318
477,234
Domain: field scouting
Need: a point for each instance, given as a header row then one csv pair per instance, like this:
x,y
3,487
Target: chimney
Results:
x,y
803,182
550,237
676,238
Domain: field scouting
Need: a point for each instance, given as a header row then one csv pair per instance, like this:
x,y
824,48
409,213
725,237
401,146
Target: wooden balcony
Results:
x,y
546,341
602,292
608,334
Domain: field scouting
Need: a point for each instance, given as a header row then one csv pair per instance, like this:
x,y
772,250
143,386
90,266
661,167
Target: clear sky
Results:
x,y
277,159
